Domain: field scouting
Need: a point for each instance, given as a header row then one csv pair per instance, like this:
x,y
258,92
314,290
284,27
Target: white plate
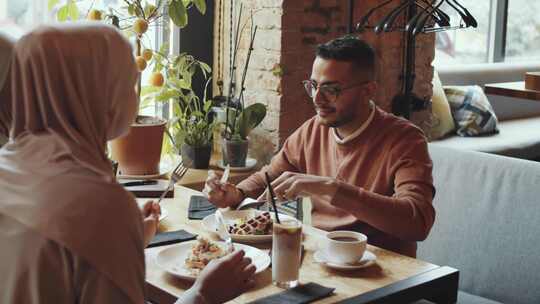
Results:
x,y
210,224
167,164
250,164
172,259
367,260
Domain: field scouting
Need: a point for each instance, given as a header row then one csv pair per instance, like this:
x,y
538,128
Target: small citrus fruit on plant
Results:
x,y
94,15
140,26
157,79
141,63
147,54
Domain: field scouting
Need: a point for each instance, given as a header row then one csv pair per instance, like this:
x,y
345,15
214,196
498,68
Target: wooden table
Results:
x,y
394,277
512,89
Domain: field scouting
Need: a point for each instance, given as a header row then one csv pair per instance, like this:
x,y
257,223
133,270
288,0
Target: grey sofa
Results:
x,y
519,119
487,225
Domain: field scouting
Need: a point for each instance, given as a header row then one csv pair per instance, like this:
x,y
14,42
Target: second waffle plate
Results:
x,y
210,224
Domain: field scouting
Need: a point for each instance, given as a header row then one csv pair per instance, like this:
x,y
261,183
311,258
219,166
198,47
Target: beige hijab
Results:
x,y
70,88
6,50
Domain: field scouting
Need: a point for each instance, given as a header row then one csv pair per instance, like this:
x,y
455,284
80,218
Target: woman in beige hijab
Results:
x,y
69,232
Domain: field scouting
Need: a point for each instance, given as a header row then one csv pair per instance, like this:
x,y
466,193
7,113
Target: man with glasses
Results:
x,y
364,169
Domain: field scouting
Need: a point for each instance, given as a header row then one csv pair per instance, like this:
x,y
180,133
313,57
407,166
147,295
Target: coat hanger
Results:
x,y
441,18
363,23
464,13
386,23
418,22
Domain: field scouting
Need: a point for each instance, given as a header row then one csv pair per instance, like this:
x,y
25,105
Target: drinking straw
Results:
x,y
268,183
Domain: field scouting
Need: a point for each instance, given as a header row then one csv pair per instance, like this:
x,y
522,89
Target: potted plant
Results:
x,y
191,127
239,119
237,128
137,153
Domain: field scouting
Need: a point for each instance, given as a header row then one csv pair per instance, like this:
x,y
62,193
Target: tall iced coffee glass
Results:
x,y
286,253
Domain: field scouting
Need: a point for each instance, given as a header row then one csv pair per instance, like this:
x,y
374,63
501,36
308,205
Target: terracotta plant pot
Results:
x,y
234,152
139,152
196,157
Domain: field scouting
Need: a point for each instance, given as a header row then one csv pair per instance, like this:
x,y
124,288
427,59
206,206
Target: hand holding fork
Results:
x,y
222,226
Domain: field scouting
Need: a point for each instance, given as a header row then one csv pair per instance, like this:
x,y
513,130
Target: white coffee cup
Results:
x,y
344,247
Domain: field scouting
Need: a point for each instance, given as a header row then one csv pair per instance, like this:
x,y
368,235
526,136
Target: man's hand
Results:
x,y
290,185
150,213
221,194
222,280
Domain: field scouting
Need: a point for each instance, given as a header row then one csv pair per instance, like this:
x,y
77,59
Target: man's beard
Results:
x,y
340,121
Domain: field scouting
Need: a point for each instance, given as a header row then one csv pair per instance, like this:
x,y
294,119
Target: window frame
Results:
x,y
497,35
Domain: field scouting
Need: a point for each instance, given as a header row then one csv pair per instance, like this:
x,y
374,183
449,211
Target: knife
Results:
x,y
140,183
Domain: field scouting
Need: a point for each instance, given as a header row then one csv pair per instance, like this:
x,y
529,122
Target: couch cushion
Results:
x,y
518,138
471,110
488,211
443,122
467,298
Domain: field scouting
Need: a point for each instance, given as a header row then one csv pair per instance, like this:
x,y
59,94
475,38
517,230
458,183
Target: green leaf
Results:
x,y
250,118
131,9
205,67
201,5
73,11
145,90
164,49
180,83
52,3
178,13
62,14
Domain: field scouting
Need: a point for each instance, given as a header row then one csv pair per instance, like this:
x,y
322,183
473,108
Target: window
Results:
x,y
22,15
468,45
523,31
508,31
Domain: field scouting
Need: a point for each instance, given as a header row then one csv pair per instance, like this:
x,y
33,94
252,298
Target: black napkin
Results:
x,y
171,237
199,207
301,294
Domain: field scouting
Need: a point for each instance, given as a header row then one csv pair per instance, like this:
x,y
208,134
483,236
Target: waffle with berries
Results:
x,y
258,225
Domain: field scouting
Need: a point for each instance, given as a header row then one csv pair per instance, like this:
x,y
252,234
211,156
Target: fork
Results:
x,y
176,175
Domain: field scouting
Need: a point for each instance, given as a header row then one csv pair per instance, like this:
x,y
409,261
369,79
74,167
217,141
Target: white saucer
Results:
x,y
166,165
367,260
250,164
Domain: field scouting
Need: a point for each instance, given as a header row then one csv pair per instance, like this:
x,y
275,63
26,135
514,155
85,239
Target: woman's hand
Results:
x,y
222,280
150,213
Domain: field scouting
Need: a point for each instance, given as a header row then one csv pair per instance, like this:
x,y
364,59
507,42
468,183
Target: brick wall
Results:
x,y
288,32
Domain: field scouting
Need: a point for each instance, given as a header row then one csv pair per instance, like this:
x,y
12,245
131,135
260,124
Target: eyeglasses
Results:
x,y
330,92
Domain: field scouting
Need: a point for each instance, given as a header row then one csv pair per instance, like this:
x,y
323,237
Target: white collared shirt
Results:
x,y
359,131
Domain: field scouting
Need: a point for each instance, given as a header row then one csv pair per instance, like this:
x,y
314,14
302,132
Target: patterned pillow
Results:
x,y
471,110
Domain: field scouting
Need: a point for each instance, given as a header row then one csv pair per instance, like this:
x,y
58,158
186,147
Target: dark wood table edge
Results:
x,y
514,92
439,285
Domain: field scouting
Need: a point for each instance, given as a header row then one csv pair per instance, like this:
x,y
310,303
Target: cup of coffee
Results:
x,y
344,247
